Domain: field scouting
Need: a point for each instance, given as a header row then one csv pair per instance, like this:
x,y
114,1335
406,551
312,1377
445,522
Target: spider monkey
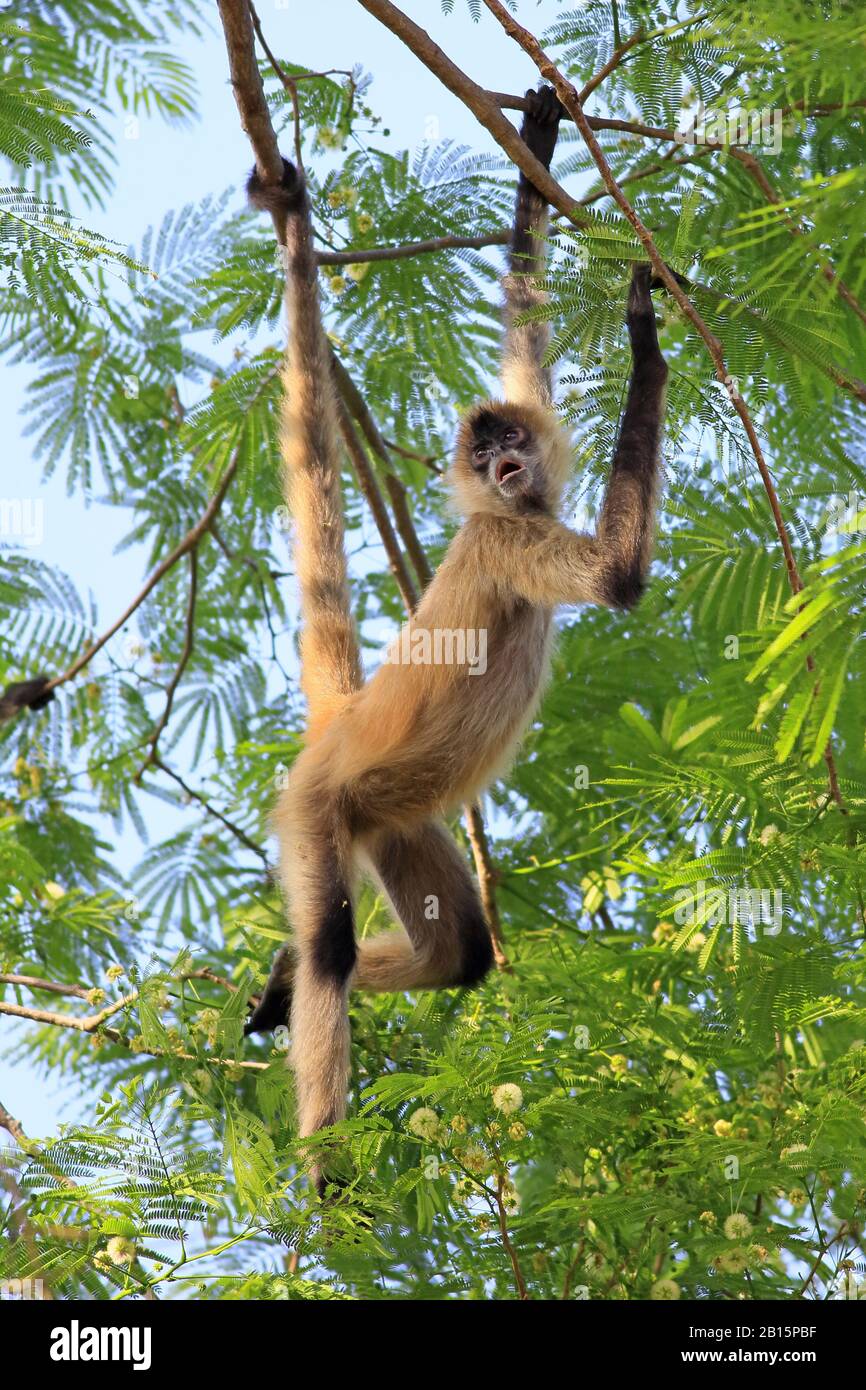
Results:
x,y
384,762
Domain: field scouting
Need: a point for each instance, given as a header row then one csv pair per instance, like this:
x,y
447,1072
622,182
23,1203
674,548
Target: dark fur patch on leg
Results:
x,y
625,587
334,949
476,948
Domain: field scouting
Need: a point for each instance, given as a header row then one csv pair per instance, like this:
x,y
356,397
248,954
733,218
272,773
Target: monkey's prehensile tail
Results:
x,y
330,661
524,377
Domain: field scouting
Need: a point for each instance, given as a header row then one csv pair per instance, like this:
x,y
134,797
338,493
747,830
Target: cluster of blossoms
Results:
x,y
118,1251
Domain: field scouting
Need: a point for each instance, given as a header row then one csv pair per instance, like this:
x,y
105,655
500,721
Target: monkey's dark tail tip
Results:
x,y
281,198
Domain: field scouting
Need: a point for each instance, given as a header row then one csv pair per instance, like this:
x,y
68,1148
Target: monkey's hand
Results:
x,y
24,695
275,1004
541,123
640,319
280,199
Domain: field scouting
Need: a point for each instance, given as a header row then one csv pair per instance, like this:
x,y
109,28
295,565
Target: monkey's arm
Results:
x,y
523,376
611,567
24,695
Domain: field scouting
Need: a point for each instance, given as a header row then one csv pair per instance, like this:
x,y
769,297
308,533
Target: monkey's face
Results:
x,y
505,461
504,454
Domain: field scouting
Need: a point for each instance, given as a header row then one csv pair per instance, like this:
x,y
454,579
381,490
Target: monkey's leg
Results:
x,y
317,878
444,940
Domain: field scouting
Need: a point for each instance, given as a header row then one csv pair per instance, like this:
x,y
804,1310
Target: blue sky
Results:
x,y
165,167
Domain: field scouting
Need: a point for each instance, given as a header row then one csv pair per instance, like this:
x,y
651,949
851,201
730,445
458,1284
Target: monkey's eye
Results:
x,y
510,436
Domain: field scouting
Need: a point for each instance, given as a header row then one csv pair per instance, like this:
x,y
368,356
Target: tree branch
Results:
x,y
613,62
509,102
89,1024
413,248
50,986
406,529
369,486
357,406
487,877
248,89
500,237
93,1024
15,1128
480,102
290,84
502,1216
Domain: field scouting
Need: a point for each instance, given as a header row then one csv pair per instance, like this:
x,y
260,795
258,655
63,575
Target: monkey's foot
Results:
x,y
657,283
274,1007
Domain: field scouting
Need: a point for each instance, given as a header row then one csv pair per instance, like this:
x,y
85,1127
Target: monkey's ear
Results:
x,y
277,198
24,695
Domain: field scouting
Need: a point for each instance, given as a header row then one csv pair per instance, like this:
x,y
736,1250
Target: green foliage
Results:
x,y
669,1082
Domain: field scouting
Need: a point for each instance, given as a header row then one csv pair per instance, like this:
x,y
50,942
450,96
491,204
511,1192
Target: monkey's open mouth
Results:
x,y
507,468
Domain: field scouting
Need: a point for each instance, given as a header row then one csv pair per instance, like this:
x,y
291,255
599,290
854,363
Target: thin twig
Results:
x,y
189,541
500,237
185,655
50,986
572,1269
412,248
89,1024
519,1280
613,62
428,460
212,811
